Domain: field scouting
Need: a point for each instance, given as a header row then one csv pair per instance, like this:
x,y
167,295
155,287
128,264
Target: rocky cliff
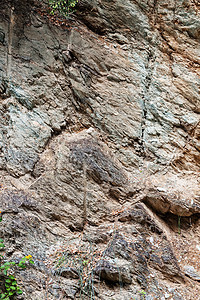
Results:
x,y
100,149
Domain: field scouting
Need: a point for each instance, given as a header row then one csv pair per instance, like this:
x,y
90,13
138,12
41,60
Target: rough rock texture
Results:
x,y
100,149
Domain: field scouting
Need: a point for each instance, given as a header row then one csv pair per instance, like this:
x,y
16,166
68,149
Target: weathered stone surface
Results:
x,y
191,272
168,194
28,134
97,115
113,271
67,273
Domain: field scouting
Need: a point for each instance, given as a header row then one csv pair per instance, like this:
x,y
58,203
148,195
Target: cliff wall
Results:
x,y
100,149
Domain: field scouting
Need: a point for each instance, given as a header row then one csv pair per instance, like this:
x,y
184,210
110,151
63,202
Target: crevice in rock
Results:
x,y
146,87
9,46
74,58
154,13
88,9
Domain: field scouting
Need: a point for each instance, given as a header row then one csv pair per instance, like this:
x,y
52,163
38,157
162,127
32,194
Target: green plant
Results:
x,y
80,261
10,288
1,244
179,224
8,283
142,293
62,7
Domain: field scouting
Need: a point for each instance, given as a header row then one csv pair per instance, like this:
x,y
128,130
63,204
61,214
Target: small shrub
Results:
x,y
62,7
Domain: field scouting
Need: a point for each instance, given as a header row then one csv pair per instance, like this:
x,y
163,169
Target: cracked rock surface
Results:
x,y
100,149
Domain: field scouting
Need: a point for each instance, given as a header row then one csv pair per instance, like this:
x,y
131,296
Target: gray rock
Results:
x,y
21,96
28,134
68,273
112,272
191,272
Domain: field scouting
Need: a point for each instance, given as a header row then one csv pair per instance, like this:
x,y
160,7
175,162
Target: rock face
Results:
x,y
100,148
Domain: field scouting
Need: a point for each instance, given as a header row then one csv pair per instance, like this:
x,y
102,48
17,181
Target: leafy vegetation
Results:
x,y
62,7
8,283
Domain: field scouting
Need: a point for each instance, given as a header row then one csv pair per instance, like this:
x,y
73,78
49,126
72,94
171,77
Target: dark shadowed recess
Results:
x,y
177,223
